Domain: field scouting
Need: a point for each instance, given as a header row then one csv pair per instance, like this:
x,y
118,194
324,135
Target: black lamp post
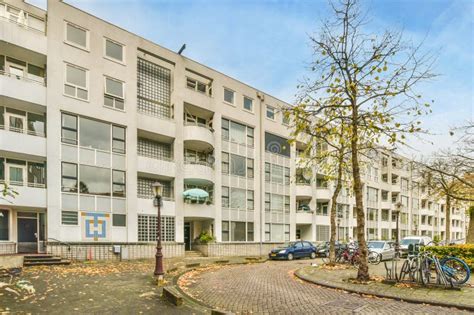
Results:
x,y
397,209
157,190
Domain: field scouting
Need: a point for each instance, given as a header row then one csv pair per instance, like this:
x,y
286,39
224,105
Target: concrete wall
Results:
x,y
7,248
235,249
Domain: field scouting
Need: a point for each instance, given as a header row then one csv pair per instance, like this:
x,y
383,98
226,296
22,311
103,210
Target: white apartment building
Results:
x,y
91,115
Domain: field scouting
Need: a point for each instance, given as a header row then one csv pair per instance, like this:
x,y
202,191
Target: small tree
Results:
x,y
366,81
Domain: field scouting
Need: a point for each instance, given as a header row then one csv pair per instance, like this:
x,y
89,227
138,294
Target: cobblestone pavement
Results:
x,y
271,288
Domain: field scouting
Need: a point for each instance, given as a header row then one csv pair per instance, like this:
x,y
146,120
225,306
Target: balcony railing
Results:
x,y
194,162
22,130
195,123
22,18
27,78
23,183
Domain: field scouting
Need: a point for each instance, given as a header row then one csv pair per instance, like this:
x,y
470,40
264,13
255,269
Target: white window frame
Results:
x,y
87,48
7,116
243,104
86,88
112,95
266,112
223,99
24,169
122,62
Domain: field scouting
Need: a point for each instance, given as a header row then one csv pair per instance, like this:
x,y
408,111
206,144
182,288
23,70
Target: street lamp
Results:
x,y
157,190
398,207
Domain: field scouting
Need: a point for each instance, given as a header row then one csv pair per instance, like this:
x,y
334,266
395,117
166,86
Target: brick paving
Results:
x,y
272,288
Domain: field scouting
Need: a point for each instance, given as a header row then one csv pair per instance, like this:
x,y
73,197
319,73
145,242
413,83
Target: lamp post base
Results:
x,y
160,280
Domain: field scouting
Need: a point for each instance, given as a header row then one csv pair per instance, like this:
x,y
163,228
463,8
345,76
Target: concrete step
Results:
x,y
34,259
192,253
46,263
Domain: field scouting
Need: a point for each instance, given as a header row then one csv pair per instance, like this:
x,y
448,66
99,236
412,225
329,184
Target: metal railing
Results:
x,y
23,183
23,130
21,20
194,162
195,123
26,78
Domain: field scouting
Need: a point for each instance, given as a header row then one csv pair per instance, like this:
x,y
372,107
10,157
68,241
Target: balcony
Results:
x,y
23,28
200,134
199,210
154,166
304,217
157,125
22,141
146,206
31,195
24,87
303,190
199,173
323,193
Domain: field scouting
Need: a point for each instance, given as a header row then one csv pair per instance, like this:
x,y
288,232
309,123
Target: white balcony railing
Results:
x,y
22,130
23,183
22,18
26,77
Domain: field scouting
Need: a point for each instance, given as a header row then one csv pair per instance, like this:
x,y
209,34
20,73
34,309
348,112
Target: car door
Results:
x,y
298,249
388,251
308,248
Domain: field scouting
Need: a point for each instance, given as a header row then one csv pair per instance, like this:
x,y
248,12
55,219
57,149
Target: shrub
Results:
x,y
205,237
465,252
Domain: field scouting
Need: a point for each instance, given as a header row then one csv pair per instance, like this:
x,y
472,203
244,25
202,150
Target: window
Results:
x,y
94,180
276,144
267,202
287,204
147,228
118,139
229,96
267,232
248,104
249,168
118,184
237,165
322,233
69,129
277,203
225,231
225,197
249,231
36,174
36,124
114,93
287,176
144,189
69,177
287,232
114,50
77,35
94,134
385,214
4,225
119,220
225,163
69,218
277,174
322,209
237,231
285,119
270,112
250,139
250,200
237,198
76,82
225,129
237,132
197,85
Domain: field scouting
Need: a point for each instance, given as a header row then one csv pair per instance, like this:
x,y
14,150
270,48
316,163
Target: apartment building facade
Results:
x,y
91,115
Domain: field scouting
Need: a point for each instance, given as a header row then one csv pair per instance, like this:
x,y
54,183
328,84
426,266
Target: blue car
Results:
x,y
290,251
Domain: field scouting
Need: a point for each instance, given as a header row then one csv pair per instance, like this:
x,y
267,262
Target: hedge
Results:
x,y
465,252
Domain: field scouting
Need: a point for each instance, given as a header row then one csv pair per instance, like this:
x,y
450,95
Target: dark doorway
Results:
x,y
187,236
27,235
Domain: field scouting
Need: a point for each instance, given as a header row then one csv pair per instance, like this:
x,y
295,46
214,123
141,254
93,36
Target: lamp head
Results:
x,y
157,188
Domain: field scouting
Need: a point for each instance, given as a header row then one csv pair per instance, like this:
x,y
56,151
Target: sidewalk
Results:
x,y
338,279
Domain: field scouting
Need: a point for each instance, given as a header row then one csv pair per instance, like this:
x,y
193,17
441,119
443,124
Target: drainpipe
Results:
x,y
261,97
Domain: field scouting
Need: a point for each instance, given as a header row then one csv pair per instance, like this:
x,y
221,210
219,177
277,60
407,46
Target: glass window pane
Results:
x,y
118,132
94,180
69,169
237,132
36,173
119,220
76,76
4,225
113,50
113,87
237,198
94,134
238,231
82,94
69,90
229,96
248,104
237,165
76,35
36,124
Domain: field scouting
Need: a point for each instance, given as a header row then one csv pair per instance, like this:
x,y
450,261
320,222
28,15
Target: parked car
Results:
x,y
323,248
290,251
458,241
413,240
386,249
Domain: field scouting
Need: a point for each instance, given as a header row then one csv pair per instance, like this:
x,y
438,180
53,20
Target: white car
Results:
x,y
386,249
415,240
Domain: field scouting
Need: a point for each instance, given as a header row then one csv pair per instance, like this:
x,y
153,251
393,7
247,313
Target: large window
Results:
x,y
276,144
238,133
94,180
238,231
92,134
277,203
238,198
147,228
237,165
77,35
154,89
4,225
277,174
76,84
114,50
114,93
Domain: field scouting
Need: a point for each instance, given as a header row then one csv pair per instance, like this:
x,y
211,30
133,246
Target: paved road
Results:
x,y
271,288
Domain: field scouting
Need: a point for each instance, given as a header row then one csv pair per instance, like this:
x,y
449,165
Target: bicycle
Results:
x,y
448,269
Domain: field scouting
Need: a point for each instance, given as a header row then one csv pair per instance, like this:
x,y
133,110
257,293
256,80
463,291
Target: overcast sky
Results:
x,y
265,43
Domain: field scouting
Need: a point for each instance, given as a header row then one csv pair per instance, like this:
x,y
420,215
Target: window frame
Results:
x,y
233,96
113,96
66,224
251,104
124,140
226,162
76,141
267,107
76,178
66,83
114,215
122,62
71,43
118,183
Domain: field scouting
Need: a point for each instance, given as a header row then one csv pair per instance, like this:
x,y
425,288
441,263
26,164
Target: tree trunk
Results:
x,y
332,243
363,271
448,219
470,230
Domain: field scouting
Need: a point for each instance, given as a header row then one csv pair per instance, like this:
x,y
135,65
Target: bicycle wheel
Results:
x,y
404,271
456,269
374,258
425,271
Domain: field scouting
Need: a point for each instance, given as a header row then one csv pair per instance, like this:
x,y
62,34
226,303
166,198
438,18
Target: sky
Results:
x,y
264,43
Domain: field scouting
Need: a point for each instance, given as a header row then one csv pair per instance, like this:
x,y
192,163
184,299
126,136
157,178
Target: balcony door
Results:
x,y
15,174
27,227
14,68
15,122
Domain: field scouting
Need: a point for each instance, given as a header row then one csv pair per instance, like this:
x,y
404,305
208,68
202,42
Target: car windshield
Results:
x,y
409,241
375,244
290,244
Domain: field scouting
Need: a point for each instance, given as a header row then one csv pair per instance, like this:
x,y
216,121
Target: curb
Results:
x,y
331,285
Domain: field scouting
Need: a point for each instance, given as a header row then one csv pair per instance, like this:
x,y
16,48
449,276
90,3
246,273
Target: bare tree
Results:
x,y
367,82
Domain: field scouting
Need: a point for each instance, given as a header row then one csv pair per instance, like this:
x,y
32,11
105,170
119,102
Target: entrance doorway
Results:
x,y
187,236
27,227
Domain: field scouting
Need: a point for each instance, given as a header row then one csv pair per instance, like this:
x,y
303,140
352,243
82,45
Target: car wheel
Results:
x,y
290,256
313,255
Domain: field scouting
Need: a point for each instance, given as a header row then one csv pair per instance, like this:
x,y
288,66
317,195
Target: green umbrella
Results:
x,y
195,194
304,208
